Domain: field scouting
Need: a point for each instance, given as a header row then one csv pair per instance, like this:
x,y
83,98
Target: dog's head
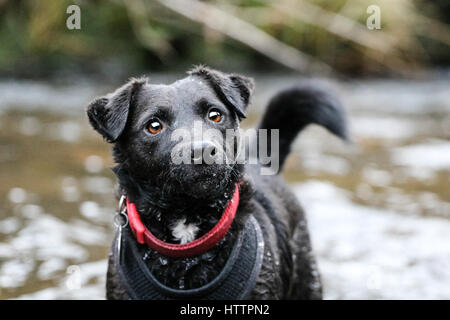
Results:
x,y
158,131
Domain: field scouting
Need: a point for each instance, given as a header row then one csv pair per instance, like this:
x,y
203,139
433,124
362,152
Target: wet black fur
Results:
x,y
164,192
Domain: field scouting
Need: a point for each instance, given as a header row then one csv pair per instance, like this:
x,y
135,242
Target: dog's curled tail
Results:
x,y
291,110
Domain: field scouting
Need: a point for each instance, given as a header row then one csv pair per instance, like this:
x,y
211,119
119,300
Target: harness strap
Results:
x,y
235,281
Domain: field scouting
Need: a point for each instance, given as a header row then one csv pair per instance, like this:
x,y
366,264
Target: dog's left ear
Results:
x,y
108,115
233,89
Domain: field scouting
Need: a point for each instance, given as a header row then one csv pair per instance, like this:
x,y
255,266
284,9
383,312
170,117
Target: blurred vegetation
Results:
x,y
125,36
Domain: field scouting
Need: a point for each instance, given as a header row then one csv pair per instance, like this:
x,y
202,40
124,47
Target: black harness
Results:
x,y
234,282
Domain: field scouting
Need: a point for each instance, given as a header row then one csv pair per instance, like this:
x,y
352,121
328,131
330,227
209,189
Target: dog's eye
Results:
x,y
154,126
215,115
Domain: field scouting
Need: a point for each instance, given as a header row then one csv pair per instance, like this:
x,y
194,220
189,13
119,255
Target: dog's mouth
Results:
x,y
201,181
206,175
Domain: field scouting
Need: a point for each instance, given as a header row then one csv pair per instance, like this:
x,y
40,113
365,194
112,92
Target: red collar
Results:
x,y
193,248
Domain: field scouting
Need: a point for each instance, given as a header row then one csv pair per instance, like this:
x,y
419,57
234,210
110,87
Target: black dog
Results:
x,y
180,202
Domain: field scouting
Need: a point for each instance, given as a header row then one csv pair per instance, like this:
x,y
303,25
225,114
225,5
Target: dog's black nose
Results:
x,y
203,152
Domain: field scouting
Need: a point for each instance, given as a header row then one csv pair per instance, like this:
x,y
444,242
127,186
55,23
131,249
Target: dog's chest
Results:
x,y
236,278
184,232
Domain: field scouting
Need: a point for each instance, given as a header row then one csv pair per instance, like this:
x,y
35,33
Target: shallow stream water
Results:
x,y
378,208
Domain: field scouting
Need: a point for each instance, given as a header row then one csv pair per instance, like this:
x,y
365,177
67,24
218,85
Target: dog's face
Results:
x,y
153,127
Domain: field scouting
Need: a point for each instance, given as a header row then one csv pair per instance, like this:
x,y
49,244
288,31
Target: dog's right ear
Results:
x,y
233,89
108,115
